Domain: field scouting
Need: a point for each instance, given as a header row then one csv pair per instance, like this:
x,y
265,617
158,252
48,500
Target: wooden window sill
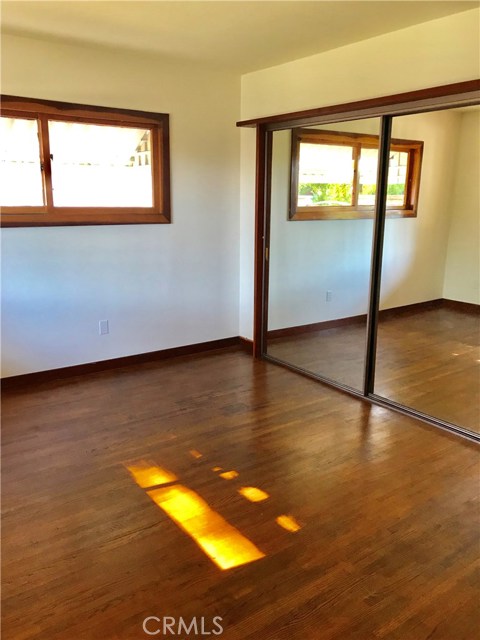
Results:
x,y
347,213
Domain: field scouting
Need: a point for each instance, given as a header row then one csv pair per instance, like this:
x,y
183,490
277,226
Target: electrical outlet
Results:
x,y
103,327
328,296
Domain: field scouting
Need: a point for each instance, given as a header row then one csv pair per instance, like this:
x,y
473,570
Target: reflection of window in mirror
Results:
x,y
334,175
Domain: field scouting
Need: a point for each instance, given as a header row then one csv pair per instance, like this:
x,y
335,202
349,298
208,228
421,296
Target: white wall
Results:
x,y
434,53
159,286
462,267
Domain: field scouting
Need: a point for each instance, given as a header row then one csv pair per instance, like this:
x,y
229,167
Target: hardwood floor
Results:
x,y
388,509
427,359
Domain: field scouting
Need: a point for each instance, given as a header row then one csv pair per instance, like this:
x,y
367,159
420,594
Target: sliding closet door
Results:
x,y
428,337
321,227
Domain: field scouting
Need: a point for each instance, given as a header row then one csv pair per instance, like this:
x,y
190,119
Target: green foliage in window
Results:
x,y
396,189
327,192
392,189
368,189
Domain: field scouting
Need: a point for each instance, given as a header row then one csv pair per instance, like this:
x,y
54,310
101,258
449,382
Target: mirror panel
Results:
x,y
428,335
321,233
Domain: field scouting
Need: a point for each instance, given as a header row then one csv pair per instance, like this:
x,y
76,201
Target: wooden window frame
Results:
x,y
50,215
356,141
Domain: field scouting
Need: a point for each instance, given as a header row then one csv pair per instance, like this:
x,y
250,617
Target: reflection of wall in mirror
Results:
x,y
462,267
307,258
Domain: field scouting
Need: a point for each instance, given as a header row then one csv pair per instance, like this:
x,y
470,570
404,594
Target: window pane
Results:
x,y
367,168
100,166
325,175
20,170
397,175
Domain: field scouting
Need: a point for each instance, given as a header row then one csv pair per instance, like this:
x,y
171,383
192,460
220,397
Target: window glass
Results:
x,y
20,168
325,175
397,176
367,167
100,166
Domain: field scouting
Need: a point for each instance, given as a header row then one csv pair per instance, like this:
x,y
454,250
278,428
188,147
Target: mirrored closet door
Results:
x,y
372,258
321,228
428,355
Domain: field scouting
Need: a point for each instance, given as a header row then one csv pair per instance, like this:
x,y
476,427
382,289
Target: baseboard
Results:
x,y
316,326
246,344
384,314
28,379
464,307
407,309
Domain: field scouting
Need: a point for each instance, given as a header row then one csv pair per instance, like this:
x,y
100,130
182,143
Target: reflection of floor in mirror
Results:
x,y
427,359
231,494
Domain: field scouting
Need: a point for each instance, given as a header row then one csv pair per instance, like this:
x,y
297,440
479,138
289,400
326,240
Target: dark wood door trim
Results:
x,y
262,237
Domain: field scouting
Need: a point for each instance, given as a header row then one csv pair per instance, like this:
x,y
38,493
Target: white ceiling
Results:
x,y
240,36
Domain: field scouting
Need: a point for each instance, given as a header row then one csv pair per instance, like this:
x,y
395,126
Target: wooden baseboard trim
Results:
x,y
316,326
29,379
464,307
246,344
384,314
408,309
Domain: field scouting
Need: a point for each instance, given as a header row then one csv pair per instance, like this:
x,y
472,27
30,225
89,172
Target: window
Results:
x,y
334,175
67,164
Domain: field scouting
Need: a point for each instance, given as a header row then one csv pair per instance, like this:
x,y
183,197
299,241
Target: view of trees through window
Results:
x,y
337,171
319,165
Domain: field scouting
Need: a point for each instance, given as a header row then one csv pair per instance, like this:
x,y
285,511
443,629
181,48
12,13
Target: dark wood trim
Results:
x,y
46,163
464,307
164,185
29,379
156,168
69,109
462,90
408,309
347,213
349,138
267,225
259,258
316,326
246,344
262,199
79,218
